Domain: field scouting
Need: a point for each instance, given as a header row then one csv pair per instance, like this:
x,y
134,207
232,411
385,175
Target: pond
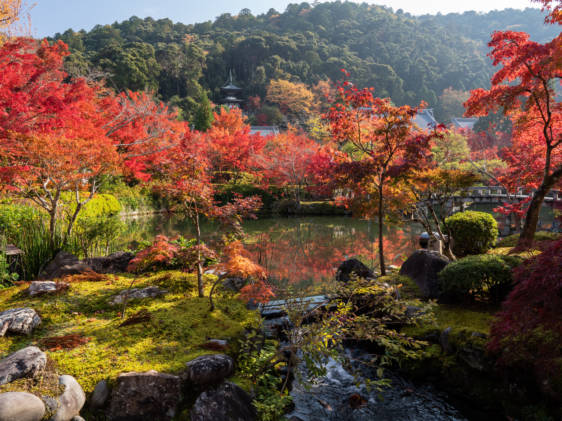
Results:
x,y
301,253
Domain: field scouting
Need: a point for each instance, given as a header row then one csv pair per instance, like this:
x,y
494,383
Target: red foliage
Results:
x,y
230,146
528,330
58,343
158,255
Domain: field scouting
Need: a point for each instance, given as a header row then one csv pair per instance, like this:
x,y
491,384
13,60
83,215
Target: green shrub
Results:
x,y
7,277
511,240
486,276
473,232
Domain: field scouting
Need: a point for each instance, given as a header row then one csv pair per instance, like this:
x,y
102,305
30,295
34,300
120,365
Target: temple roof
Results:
x,y
464,122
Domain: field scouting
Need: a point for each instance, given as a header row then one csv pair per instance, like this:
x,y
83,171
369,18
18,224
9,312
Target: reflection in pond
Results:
x,y
302,253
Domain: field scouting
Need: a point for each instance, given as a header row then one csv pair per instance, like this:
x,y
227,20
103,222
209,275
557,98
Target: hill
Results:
x,y
405,57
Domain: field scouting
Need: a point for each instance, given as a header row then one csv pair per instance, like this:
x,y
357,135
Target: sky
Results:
x,y
51,16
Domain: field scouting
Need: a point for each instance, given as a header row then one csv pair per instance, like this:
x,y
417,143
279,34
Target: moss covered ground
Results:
x,y
180,323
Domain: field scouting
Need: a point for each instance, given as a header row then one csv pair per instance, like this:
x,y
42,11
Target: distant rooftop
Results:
x,y
264,130
424,119
464,122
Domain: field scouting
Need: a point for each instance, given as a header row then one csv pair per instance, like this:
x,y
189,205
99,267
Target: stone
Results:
x,y
45,287
423,266
18,320
151,395
209,369
225,402
444,340
100,395
234,283
77,418
26,362
64,264
114,263
20,406
355,267
137,294
71,401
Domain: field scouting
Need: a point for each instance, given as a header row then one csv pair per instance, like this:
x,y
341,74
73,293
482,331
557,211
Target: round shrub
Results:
x,y
473,232
485,276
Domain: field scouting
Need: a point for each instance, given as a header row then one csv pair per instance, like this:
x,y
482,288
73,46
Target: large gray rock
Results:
x,y
26,362
423,266
209,369
137,294
18,320
226,402
145,396
100,395
64,264
353,268
20,406
71,401
114,263
45,287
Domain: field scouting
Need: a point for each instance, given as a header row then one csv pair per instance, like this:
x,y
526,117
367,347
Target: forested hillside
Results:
x,y
405,57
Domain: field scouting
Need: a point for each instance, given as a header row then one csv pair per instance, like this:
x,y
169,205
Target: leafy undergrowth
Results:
x,y
476,317
180,323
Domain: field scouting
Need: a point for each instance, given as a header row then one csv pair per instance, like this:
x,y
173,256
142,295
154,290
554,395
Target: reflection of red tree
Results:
x,y
312,252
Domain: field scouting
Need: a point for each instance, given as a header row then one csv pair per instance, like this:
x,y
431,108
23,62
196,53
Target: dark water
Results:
x,y
340,396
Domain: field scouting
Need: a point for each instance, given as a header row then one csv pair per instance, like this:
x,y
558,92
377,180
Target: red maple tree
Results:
x,y
383,146
523,88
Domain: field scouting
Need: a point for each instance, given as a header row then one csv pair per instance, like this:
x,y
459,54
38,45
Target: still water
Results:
x,y
300,252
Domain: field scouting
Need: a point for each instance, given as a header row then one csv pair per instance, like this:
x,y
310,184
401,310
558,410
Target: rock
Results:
x,y
226,402
26,362
77,418
45,287
100,395
18,320
234,283
209,369
423,266
64,264
71,401
137,294
353,266
444,340
114,263
20,406
150,395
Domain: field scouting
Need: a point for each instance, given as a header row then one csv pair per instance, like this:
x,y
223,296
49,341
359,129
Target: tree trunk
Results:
x,y
381,234
199,268
532,218
52,225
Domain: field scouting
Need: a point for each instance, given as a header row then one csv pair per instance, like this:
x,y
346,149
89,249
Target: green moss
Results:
x,y
474,318
180,323
511,240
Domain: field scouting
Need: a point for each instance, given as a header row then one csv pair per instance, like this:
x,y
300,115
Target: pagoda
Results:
x,y
230,93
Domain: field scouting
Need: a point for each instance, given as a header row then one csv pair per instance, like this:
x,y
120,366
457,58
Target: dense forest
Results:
x,y
404,57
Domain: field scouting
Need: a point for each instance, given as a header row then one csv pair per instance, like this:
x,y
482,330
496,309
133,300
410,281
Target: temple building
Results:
x,y
230,94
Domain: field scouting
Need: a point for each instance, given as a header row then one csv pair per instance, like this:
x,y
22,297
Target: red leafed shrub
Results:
x,y
165,253
159,255
528,330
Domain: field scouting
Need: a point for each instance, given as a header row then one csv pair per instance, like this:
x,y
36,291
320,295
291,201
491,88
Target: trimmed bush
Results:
x,y
485,276
473,232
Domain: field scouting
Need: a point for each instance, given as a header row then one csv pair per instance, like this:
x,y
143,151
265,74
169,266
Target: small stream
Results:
x,y
342,397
